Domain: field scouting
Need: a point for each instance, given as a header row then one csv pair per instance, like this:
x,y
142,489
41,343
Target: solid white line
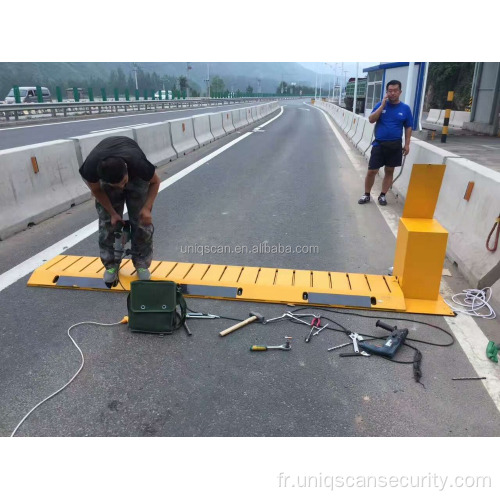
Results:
x,y
119,128
468,333
29,265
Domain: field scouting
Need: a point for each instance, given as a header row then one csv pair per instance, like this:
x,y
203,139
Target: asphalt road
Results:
x,y
23,135
289,183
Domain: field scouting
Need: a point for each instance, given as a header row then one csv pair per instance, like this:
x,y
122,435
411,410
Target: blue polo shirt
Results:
x,y
389,126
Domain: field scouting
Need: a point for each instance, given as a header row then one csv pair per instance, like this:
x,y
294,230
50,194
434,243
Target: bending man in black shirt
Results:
x,y
118,172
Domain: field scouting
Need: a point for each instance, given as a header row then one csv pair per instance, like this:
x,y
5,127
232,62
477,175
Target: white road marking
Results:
x,y
16,273
489,147
304,109
118,128
468,333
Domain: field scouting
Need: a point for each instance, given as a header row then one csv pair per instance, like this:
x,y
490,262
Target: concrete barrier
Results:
x,y
356,122
84,144
367,138
348,122
156,142
244,116
249,116
238,121
255,113
201,126
28,197
216,125
337,114
459,118
440,120
362,122
420,152
469,222
433,115
344,119
227,121
183,139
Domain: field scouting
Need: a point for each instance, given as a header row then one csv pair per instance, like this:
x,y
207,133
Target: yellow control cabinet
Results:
x,y
419,257
421,242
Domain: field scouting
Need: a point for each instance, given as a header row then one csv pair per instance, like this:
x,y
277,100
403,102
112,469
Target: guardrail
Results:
x,y
99,107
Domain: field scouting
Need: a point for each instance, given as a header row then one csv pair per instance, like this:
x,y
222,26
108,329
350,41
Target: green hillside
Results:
x,y
151,75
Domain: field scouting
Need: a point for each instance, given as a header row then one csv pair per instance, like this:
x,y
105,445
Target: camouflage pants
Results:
x,y
134,195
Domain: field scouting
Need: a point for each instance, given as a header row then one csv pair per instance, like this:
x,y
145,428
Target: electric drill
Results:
x,y
392,343
122,236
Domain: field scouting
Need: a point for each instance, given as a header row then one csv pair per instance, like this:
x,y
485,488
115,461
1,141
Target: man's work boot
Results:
x,y
111,276
143,273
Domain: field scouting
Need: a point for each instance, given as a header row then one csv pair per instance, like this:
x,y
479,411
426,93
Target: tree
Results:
x,y
121,78
217,85
156,82
249,90
183,84
444,77
131,83
282,88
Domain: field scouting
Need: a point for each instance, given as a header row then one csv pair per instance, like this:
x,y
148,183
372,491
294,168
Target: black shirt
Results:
x,y
121,147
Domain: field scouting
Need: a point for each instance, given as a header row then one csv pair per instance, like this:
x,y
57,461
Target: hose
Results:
x,y
495,244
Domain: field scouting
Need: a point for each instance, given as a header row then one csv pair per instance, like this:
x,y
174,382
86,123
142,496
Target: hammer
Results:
x,y
253,317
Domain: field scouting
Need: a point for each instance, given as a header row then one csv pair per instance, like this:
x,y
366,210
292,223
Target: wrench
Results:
x,y
283,347
355,337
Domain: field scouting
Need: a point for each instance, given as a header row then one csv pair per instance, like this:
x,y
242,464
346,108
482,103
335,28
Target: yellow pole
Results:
x,y
447,114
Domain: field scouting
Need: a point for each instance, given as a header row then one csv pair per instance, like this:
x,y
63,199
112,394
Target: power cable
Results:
x,y
123,321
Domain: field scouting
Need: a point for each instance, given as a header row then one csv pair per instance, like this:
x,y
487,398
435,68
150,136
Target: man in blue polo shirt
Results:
x,y
391,116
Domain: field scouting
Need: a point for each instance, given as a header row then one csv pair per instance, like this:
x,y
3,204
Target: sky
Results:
x,y
336,67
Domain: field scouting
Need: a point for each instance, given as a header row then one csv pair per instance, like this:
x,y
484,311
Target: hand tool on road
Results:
x,y
289,315
469,378
197,315
339,346
285,347
392,343
355,338
322,328
253,317
186,327
315,323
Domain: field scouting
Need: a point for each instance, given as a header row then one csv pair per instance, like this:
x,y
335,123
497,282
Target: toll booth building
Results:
x,y
378,76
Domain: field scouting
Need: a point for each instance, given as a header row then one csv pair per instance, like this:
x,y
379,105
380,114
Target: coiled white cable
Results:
x,y
124,320
473,301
